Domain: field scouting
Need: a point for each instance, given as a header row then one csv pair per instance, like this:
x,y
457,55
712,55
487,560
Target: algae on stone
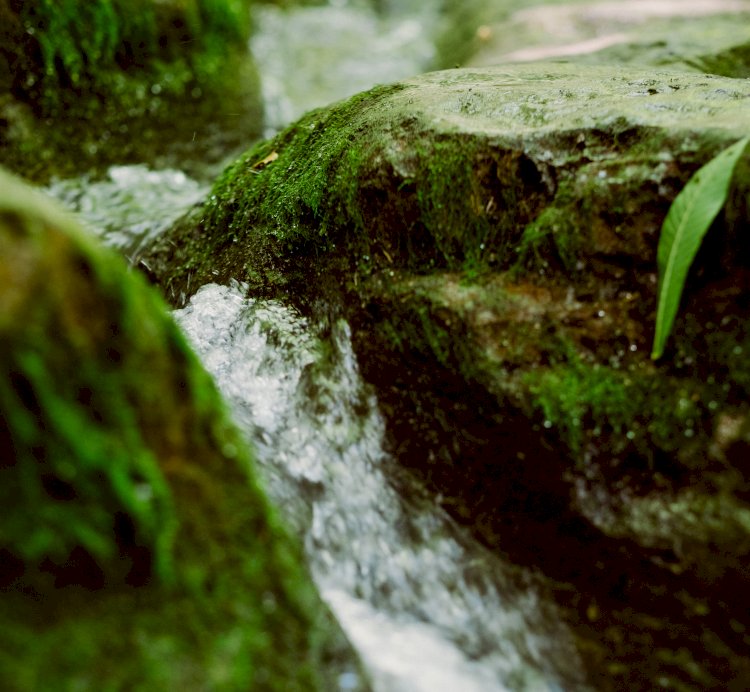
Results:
x,y
138,550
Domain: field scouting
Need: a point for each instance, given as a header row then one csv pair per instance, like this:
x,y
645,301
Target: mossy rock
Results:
x,y
491,234
137,550
487,169
87,84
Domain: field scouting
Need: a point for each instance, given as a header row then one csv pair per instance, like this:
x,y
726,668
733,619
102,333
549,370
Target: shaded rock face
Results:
x,y
491,234
87,84
136,548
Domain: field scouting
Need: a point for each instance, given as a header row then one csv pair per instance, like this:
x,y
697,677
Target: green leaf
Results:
x,y
688,220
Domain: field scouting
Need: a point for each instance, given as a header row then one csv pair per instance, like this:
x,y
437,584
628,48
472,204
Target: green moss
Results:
x,y
109,48
419,329
332,182
100,82
575,397
617,410
532,349
450,200
554,237
273,199
92,454
276,184
138,549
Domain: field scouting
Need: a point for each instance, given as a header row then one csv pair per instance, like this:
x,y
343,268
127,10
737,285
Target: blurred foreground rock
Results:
x,y
137,550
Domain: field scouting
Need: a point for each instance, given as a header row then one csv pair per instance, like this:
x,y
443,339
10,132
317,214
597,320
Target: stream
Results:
x,y
426,607
312,56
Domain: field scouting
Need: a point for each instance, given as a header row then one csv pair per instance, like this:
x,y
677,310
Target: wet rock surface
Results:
x,y
137,550
491,235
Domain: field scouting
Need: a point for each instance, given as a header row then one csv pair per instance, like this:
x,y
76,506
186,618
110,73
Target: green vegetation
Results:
x,y
276,186
618,408
92,455
577,396
273,199
138,549
113,48
734,62
439,215
688,220
451,202
321,186
552,237
94,83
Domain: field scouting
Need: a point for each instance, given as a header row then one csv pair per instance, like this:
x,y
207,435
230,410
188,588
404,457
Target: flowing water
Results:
x,y
311,56
426,607
132,206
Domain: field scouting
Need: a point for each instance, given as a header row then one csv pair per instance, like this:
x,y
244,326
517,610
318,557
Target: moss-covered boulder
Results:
x,y
137,550
86,84
491,234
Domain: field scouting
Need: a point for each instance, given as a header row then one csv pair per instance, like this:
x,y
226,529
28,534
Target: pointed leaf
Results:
x,y
688,220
